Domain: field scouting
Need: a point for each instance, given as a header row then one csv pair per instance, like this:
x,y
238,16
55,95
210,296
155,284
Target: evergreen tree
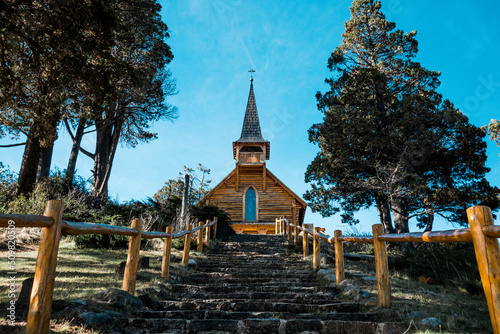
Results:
x,y
388,138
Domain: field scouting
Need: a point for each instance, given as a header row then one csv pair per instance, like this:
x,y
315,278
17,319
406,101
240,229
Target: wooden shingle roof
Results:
x,y
250,133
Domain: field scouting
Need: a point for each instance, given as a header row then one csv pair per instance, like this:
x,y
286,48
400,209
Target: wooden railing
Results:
x,y
482,232
53,227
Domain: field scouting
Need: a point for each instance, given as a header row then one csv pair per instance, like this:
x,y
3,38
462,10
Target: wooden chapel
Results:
x,y
252,195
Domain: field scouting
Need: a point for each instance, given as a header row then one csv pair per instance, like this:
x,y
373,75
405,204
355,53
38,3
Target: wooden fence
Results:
x,y
53,227
482,232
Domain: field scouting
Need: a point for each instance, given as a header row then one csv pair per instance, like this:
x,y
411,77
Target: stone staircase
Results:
x,y
251,284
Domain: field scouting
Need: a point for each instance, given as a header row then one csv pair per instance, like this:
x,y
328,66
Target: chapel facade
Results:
x,y
252,195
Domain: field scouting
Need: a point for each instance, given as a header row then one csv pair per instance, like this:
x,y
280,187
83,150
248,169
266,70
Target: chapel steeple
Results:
x,y
251,148
251,151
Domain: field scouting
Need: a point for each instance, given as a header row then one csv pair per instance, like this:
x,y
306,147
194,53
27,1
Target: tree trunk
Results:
x,y
384,214
44,162
29,166
185,203
108,136
429,219
400,215
70,170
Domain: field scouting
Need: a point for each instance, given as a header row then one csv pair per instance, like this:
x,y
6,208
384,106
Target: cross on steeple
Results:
x,y
251,74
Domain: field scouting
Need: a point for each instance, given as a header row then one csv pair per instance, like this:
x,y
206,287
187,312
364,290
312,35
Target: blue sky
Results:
x,y
287,43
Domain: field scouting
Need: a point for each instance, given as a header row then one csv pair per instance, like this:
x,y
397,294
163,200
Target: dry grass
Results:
x,y
462,312
80,274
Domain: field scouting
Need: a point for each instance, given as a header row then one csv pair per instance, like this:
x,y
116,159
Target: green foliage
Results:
x,y
179,243
208,212
80,206
493,129
453,265
388,138
199,185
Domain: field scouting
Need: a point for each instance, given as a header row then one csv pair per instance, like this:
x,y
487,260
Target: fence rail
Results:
x,y
482,233
53,227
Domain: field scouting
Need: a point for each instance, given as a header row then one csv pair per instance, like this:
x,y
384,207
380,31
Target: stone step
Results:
x,y
262,326
244,280
304,287
252,284
215,314
216,270
257,306
282,296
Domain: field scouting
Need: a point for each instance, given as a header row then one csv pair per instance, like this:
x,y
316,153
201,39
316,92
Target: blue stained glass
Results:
x,y
250,205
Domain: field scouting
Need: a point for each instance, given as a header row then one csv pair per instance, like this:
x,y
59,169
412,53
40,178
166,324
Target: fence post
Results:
x,y
167,247
42,293
187,246
339,257
200,237
382,268
487,255
295,234
207,232
316,250
288,231
305,242
134,247
215,227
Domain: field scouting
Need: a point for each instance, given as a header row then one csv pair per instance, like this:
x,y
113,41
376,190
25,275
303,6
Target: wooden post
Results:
x,y
207,234
215,227
288,231
305,242
382,268
134,247
276,226
42,293
167,247
339,257
200,238
316,250
187,246
295,234
488,257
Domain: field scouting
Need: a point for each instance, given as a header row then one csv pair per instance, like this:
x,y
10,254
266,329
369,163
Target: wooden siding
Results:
x,y
274,202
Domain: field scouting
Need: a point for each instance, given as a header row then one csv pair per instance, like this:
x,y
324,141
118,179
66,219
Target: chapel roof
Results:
x,y
250,133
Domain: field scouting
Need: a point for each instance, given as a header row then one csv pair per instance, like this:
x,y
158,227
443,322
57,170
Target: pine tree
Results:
x,y
388,138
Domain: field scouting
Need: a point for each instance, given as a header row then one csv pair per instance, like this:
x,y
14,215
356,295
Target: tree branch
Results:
x,y
12,145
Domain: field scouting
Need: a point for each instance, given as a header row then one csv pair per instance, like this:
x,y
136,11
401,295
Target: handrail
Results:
x,y
460,235
26,220
53,227
482,232
492,231
74,228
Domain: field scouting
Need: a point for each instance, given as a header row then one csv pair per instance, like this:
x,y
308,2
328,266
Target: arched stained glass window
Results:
x,y
250,205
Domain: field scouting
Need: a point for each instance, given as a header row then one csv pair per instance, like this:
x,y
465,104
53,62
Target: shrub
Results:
x,y
208,212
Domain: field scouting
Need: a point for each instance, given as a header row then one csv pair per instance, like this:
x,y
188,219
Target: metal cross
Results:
x,y
251,73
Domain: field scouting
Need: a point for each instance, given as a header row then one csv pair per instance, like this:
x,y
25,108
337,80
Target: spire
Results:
x,y
251,126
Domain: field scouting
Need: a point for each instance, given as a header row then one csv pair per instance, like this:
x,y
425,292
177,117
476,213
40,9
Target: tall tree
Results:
x,y
387,137
141,83
42,48
100,63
